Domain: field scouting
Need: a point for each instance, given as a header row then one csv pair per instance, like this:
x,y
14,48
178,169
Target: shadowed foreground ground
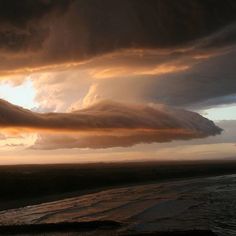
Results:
x,y
94,227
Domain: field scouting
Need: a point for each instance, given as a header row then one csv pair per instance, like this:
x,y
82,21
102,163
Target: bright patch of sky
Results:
x,y
22,95
221,113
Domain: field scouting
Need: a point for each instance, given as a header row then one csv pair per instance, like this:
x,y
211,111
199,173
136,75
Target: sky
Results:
x,y
106,81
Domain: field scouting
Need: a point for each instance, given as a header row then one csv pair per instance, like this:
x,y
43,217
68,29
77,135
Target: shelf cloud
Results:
x,y
106,115
108,124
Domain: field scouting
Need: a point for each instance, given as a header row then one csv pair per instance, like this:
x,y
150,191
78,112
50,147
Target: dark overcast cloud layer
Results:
x,y
103,25
21,27
60,31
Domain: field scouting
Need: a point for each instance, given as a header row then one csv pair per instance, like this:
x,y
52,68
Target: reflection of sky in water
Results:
x,y
202,203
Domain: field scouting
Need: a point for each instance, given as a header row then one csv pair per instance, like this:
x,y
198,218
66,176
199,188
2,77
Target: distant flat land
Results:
x,y
30,184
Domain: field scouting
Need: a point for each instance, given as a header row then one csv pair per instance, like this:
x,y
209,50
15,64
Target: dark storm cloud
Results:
x,y
95,27
85,28
20,23
152,23
206,83
16,40
224,37
20,13
209,83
